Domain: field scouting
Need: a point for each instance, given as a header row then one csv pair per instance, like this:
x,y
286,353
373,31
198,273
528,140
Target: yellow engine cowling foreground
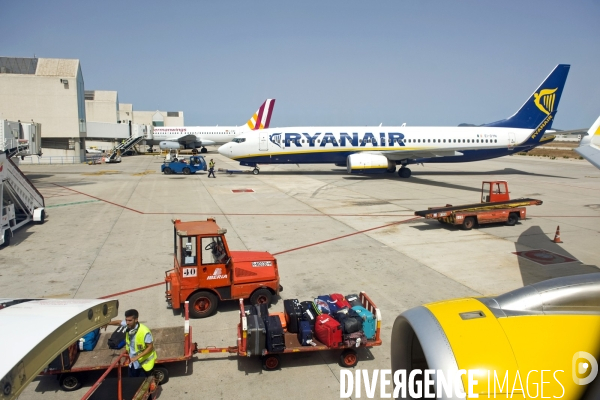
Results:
x,y
544,336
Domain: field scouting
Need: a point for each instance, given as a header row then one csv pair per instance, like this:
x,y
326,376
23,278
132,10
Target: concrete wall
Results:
x,y
104,107
125,112
147,117
42,99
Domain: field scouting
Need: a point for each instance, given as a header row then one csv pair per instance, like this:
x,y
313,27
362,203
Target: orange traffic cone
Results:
x,y
557,235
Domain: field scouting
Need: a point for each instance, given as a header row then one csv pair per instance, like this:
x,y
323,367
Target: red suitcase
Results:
x,y
340,300
328,331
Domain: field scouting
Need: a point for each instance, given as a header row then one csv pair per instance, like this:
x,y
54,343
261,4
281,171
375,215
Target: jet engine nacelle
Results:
x,y
368,164
542,328
169,145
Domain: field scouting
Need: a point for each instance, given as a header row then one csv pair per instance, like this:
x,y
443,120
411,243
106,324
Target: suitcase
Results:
x,y
262,310
66,359
293,314
354,300
281,318
333,307
305,333
328,331
88,341
249,310
320,307
275,338
340,301
117,339
355,339
350,321
368,324
256,336
308,313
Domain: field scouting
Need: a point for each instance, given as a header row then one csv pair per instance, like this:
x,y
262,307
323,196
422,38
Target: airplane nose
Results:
x,y
223,150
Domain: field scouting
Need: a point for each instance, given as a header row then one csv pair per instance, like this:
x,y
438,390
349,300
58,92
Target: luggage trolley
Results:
x,y
271,361
173,344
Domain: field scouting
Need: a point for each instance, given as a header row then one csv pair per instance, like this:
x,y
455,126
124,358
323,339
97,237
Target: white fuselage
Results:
x,y
205,135
334,144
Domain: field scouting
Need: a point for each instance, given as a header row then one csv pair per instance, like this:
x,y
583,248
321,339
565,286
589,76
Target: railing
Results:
x,y
58,160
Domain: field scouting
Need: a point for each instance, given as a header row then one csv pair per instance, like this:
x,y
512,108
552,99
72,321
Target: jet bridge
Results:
x,y
20,139
21,202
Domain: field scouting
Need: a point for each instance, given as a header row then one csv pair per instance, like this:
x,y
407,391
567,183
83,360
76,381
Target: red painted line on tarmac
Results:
x,y
132,290
281,252
98,198
345,236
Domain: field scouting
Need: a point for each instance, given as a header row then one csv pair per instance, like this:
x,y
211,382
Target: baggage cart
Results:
x,y
173,344
271,361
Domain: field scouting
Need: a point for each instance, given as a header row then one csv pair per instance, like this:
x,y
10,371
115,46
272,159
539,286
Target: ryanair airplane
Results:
x,y
370,150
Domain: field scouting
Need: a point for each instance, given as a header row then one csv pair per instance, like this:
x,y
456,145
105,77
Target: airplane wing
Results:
x,y
396,155
589,148
187,139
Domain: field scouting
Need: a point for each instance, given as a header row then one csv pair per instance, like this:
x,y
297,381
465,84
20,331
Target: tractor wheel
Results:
x,y
161,374
513,218
186,171
349,358
202,304
70,382
469,223
167,171
261,296
270,362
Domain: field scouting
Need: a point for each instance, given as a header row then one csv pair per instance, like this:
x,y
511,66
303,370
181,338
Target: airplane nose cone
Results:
x,y
225,150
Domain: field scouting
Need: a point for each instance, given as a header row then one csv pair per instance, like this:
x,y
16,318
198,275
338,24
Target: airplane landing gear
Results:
x,y
404,172
204,150
256,171
150,149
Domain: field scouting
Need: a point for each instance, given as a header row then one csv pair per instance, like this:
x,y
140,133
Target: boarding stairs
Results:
x,y
21,201
115,155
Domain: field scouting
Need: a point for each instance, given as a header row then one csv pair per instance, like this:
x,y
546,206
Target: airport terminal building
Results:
x,y
49,91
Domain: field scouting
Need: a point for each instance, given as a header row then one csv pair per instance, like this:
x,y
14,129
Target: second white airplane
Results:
x,y
381,149
193,137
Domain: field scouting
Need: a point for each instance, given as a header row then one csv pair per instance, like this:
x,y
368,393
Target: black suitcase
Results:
x,y
308,313
349,319
65,360
249,310
275,338
354,300
262,310
257,335
293,314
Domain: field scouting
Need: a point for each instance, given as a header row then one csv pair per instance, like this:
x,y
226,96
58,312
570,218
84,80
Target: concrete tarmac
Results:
x,y
109,230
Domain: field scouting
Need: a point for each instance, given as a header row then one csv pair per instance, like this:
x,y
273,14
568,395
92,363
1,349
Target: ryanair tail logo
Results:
x,y
544,100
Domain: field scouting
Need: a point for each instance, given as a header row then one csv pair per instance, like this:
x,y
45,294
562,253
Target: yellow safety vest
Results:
x,y
147,362
211,164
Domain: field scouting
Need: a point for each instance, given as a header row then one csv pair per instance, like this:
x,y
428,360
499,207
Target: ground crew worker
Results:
x,y
138,343
211,168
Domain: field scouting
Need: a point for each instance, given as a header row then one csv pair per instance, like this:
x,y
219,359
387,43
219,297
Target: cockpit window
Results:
x,y
239,140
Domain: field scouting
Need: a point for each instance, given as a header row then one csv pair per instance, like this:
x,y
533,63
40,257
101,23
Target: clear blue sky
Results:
x,y
331,62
